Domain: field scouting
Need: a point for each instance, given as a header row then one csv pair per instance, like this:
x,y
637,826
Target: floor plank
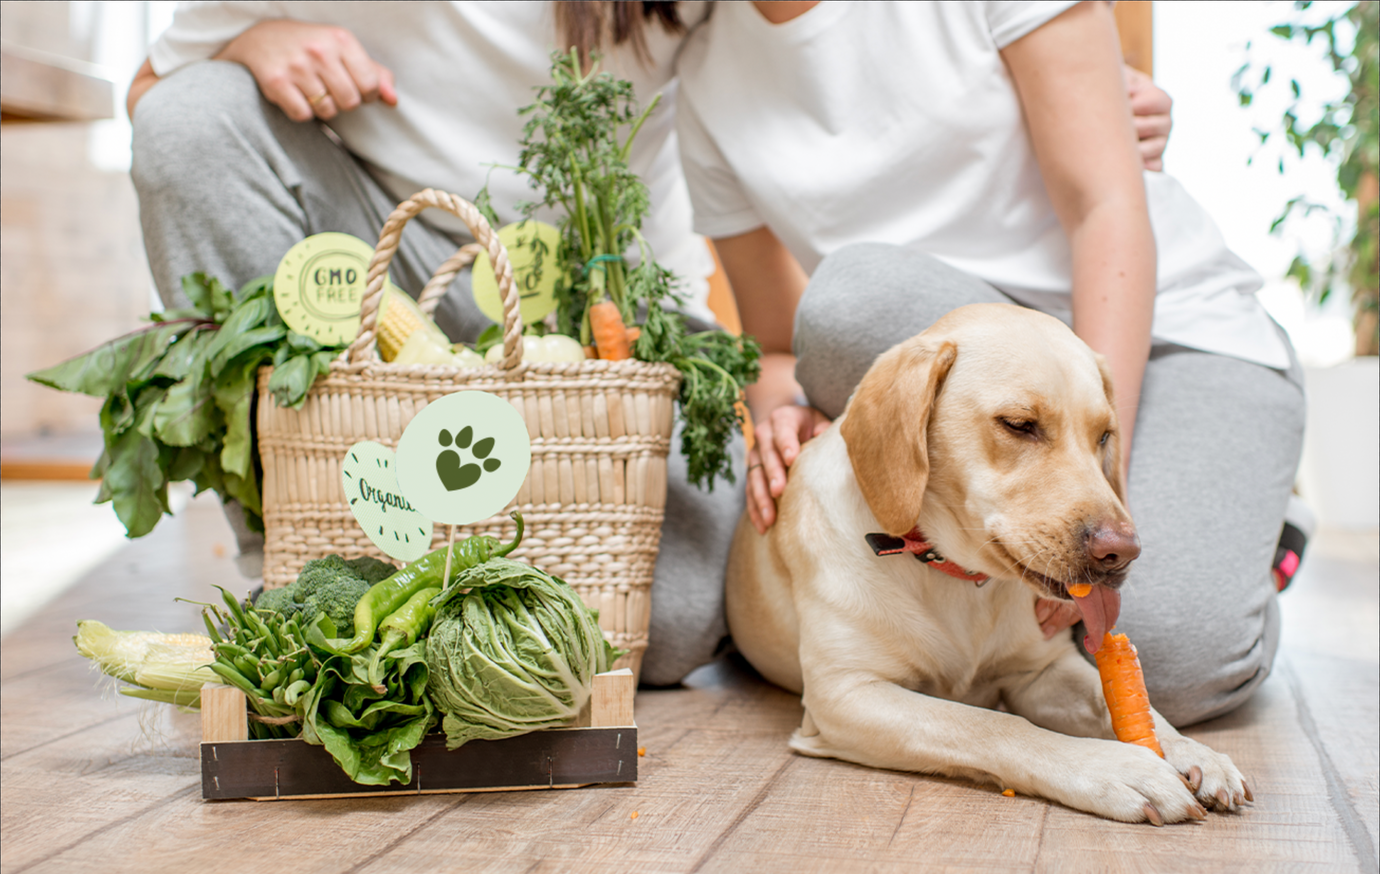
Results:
x,y
1291,825
1339,704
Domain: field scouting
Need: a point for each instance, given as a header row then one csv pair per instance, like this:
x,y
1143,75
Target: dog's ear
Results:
x,y
1111,464
885,430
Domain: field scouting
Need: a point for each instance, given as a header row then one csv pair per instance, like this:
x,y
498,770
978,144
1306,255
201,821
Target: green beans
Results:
x,y
211,630
264,656
234,678
294,692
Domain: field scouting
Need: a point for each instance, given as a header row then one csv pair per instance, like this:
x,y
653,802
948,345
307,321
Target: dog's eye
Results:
x,y
1020,426
1102,441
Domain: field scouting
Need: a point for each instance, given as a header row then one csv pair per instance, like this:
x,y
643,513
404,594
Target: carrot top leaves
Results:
x,y
574,157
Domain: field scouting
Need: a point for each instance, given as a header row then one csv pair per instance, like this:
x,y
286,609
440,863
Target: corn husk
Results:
x,y
161,667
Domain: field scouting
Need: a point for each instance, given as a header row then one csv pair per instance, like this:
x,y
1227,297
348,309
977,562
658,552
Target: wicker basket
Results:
x,y
593,500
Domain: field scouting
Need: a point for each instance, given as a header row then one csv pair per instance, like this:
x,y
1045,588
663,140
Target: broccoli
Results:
x,y
370,569
329,585
279,600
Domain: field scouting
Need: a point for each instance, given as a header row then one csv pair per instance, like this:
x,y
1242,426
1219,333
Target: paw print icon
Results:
x,y
455,474
464,457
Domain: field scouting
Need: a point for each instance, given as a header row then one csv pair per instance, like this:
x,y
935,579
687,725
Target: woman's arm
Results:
x,y
1068,75
307,70
768,282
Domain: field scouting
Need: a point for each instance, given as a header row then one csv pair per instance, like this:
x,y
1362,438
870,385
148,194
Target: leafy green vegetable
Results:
x,y
179,396
295,687
573,156
369,733
512,649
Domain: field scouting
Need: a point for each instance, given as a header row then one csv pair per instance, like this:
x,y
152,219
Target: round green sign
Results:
x,y
320,285
464,457
532,248
369,475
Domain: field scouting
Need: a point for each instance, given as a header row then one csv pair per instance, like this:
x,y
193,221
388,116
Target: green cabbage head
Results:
x,y
516,653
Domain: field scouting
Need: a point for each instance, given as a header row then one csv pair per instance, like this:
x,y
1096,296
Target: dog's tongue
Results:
x,y
1100,610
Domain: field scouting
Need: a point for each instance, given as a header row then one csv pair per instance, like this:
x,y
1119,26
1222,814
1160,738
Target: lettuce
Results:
x,y
369,733
515,653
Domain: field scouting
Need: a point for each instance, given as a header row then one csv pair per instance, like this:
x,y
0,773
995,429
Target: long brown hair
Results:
x,y
590,25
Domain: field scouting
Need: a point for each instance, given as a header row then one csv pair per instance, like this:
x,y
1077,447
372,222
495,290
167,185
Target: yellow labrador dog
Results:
x,y
987,448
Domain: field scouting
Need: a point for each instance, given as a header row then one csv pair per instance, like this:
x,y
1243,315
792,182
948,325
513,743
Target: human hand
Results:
x,y
310,70
778,440
1150,105
1055,616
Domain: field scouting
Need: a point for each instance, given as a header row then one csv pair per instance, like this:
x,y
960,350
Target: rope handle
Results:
x,y
363,348
440,281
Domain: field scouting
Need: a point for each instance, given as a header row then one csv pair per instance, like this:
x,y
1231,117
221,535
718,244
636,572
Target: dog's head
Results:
x,y
995,433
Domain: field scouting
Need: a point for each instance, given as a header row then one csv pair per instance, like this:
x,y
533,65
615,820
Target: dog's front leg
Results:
x,y
871,721
1067,697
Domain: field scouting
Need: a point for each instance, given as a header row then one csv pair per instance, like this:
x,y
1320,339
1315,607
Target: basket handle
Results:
x,y
363,349
440,281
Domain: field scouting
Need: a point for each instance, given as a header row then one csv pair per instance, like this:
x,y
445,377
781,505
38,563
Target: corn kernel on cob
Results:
x,y
399,317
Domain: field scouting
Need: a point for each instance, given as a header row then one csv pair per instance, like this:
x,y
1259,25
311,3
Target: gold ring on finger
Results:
x,y
316,101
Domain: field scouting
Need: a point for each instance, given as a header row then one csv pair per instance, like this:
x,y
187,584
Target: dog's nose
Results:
x,y
1113,545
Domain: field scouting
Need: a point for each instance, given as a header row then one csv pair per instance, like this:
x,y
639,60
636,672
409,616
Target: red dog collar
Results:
x,y
918,545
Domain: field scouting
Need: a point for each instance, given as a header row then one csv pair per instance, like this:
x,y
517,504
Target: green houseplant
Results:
x,y
1346,132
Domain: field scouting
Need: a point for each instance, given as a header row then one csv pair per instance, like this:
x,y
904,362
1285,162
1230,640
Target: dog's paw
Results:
x,y
1210,775
1128,783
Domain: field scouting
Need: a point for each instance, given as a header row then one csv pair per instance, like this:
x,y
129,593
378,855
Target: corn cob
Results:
x,y
399,317
163,667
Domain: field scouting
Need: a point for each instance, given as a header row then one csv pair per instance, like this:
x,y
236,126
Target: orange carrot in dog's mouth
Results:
x,y
1100,607
1123,685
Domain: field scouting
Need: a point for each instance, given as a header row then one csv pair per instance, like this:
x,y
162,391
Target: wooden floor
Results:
x,y
96,782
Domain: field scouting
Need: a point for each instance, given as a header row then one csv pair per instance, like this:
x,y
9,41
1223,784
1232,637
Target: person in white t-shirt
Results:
x,y
232,168
257,123
420,94
908,158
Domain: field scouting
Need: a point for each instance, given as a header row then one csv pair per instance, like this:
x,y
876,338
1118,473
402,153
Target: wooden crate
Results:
x,y
600,747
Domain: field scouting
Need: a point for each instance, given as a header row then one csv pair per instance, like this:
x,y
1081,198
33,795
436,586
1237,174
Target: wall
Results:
x,y
72,268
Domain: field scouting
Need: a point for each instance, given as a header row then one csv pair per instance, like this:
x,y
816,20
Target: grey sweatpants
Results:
x,y
1217,443
227,184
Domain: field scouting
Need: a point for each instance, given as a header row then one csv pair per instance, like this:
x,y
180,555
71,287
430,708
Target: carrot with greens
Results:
x,y
1123,685
610,334
611,293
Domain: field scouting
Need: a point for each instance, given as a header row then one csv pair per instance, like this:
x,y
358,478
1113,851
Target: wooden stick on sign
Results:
x,y
450,546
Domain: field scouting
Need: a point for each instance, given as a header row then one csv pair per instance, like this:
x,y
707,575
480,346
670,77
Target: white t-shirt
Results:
x,y
899,123
463,70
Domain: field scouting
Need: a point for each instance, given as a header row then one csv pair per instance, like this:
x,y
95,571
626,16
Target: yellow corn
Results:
x,y
163,661
399,317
